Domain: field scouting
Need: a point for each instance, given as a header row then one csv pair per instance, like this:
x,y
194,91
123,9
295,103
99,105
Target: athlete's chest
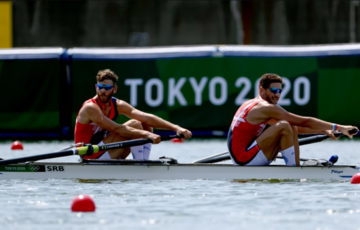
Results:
x,y
106,111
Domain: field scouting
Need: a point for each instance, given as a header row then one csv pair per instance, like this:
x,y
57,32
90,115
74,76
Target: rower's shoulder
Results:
x,y
266,106
120,102
88,108
123,107
89,104
263,104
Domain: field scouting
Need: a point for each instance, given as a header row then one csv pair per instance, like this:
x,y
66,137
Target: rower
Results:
x,y
249,143
95,122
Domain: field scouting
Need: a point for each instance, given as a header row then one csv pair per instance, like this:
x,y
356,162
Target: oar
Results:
x,y
225,156
303,141
86,150
71,146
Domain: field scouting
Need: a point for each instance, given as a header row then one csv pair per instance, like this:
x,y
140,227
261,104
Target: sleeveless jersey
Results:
x,y
92,133
242,134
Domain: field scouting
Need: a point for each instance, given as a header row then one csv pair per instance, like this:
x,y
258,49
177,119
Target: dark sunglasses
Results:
x,y
275,90
106,87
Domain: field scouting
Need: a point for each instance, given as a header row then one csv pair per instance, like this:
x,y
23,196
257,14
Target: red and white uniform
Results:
x,y
242,135
92,133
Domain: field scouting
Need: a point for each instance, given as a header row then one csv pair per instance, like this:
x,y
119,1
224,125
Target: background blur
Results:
x,y
168,23
191,62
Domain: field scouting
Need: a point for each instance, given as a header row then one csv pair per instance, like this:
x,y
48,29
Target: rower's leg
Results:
x,y
280,134
296,145
275,153
122,153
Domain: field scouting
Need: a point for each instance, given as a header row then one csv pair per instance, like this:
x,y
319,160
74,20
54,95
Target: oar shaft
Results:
x,y
209,158
123,144
222,157
85,150
226,156
38,157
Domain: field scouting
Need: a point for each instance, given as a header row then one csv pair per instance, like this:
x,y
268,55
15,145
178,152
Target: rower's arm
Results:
x,y
150,119
278,113
304,130
300,129
93,113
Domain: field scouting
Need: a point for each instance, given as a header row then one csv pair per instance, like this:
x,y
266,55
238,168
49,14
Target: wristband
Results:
x,y
335,127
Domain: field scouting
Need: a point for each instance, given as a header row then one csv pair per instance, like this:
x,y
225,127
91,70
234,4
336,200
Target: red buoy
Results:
x,y
355,179
17,145
176,140
83,203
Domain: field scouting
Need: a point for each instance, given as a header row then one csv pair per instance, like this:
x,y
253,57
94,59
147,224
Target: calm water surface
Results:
x,y
184,204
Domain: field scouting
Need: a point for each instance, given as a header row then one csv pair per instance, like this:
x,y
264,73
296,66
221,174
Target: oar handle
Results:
x,y
353,131
339,134
169,137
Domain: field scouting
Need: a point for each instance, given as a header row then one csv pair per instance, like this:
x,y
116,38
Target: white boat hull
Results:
x,y
172,171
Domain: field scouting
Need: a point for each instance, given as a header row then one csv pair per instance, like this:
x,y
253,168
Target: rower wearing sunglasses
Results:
x,y
95,122
260,128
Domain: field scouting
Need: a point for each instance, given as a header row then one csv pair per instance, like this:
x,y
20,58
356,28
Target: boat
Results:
x,y
165,169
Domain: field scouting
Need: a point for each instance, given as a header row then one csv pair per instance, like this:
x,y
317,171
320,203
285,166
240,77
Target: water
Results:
x,y
184,204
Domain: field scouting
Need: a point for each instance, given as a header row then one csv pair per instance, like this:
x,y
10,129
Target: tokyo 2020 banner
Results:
x,y
202,92
197,87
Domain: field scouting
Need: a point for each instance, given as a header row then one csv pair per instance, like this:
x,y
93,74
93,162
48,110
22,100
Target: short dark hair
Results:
x,y
106,74
269,78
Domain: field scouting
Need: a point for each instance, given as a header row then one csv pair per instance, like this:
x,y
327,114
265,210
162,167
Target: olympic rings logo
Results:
x,y
34,168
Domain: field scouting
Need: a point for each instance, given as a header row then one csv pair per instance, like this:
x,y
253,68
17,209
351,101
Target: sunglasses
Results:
x,y
106,87
275,90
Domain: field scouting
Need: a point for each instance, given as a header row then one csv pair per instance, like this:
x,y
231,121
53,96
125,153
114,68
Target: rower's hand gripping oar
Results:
x,y
86,150
318,138
303,141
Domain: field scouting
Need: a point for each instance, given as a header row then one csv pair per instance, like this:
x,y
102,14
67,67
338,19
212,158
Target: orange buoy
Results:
x,y
355,179
83,203
17,145
176,140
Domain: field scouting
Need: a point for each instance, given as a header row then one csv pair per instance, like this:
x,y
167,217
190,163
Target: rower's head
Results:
x,y
106,85
270,87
